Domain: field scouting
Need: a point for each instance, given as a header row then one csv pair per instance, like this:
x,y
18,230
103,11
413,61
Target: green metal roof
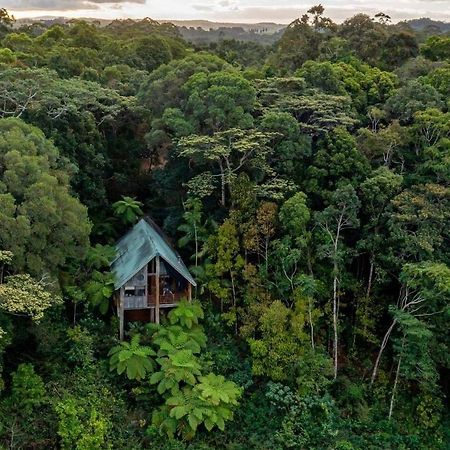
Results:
x,y
138,247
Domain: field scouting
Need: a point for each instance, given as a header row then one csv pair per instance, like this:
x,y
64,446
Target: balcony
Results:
x,y
147,302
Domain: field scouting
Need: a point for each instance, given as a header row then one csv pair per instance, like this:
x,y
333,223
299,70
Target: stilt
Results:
x,y
121,314
190,292
158,270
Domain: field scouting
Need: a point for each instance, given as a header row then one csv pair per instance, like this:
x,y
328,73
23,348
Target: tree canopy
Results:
x,y
303,175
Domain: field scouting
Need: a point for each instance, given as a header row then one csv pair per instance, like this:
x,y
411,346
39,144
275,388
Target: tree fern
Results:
x,y
175,337
209,402
133,358
186,314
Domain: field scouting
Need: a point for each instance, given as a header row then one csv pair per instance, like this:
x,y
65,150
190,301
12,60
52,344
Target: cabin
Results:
x,y
150,276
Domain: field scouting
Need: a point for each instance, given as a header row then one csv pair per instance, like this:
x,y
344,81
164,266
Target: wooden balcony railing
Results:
x,y
150,301
134,302
167,299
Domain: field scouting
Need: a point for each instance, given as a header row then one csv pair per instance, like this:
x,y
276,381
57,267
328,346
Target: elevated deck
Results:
x,y
149,302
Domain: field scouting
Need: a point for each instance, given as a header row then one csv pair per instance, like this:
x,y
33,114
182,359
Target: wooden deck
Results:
x,y
165,301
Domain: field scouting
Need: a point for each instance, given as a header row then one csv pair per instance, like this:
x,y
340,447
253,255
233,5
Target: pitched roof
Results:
x,y
138,247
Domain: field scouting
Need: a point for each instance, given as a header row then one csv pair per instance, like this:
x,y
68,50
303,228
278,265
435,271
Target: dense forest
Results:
x,y
306,183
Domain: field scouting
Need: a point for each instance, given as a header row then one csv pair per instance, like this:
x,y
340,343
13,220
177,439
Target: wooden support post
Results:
x,y
158,270
190,292
121,313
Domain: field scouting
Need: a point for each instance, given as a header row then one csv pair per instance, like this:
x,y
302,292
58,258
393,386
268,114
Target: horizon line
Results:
x,y
231,22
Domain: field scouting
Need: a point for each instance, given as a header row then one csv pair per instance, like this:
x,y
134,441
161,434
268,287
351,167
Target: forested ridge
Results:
x,y
306,184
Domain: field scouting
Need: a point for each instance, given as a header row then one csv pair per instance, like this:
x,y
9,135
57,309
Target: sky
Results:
x,y
245,11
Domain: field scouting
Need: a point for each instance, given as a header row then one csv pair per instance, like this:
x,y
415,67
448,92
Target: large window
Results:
x,y
135,291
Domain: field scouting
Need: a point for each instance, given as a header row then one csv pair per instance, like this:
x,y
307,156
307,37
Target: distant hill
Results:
x,y
53,20
196,31
201,36
425,24
205,31
261,27
206,25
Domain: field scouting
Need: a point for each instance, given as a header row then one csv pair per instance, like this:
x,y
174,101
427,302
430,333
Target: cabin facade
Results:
x,y
150,276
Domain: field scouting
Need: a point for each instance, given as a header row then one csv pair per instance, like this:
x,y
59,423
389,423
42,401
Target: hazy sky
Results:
x,y
281,11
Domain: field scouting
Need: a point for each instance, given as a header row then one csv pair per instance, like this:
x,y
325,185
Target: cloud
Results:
x,y
246,11
226,4
63,5
203,8
339,11
217,7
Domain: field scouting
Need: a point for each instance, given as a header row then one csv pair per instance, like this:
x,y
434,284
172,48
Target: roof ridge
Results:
x,y
147,230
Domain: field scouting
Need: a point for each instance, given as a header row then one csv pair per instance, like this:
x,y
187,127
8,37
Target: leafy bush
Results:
x,y
209,402
28,390
81,350
309,422
81,427
178,367
133,358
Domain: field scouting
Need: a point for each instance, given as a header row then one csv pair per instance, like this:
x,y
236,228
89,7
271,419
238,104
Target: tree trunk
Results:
x,y
222,181
266,252
12,444
335,298
335,321
369,282
391,406
311,325
368,291
234,301
382,347
74,313
196,245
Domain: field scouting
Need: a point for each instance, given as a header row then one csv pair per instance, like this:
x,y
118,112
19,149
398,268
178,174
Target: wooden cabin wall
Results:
x,y
138,281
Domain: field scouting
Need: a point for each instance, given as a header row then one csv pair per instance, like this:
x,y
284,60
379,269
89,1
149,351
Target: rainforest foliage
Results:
x,y
305,183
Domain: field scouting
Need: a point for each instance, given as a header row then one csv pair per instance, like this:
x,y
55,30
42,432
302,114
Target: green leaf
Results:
x,y
209,424
178,412
156,377
193,421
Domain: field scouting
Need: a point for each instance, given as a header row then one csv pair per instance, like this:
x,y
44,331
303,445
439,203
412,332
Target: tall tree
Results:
x,y
229,152
341,214
6,22
41,223
424,296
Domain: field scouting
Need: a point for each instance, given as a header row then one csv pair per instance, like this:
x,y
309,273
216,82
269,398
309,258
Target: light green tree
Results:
x,y
21,295
227,263
228,153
